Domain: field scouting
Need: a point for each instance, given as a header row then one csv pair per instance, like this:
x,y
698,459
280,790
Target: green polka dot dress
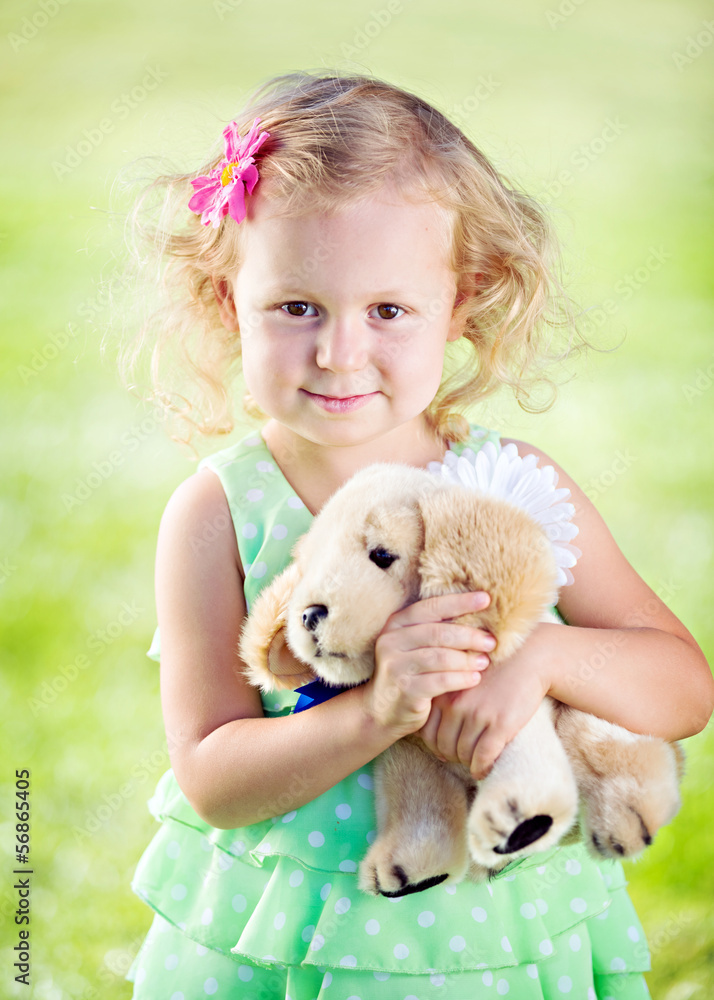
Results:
x,y
273,910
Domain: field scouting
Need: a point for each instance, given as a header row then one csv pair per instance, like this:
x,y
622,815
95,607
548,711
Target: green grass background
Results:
x,y
635,426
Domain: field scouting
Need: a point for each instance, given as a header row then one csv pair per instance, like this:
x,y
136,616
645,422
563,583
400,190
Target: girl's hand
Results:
x,y
473,726
419,655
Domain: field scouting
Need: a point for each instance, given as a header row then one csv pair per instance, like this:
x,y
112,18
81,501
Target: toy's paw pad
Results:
x,y
399,870
502,825
526,833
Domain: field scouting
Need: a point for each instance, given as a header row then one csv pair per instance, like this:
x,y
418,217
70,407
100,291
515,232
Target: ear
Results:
x,y
225,301
468,288
269,663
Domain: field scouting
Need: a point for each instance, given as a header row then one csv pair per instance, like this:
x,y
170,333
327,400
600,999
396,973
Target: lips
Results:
x,y
341,404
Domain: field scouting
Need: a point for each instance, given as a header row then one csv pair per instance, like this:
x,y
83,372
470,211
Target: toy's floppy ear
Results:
x,y
269,662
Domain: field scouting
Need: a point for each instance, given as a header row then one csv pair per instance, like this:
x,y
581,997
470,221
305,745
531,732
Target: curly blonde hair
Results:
x,y
334,139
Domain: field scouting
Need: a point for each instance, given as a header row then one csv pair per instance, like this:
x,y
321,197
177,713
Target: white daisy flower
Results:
x,y
515,478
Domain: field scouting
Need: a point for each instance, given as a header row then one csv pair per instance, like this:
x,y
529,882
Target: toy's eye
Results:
x,y
380,557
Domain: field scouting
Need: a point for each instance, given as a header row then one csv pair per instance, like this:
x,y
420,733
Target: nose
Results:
x,y
312,615
343,345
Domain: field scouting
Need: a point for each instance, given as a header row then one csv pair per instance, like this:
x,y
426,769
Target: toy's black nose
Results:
x,y
312,615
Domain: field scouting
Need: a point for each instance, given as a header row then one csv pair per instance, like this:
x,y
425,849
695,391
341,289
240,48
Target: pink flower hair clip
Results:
x,y
223,190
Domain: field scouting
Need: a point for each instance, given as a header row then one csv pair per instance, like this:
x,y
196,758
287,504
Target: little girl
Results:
x,y
375,277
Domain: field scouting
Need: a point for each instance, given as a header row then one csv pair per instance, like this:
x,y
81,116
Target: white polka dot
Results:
x,y
381,977
349,961
604,915
618,965
200,950
401,951
171,962
249,530
528,911
239,903
254,495
279,532
178,995
370,835
307,932
592,995
343,904
506,944
325,891
225,861
343,811
565,984
426,918
365,780
237,848
575,942
546,947
372,927
327,980
487,979
411,996
450,890
633,934
541,906
253,440
178,891
245,973
532,970
295,502
502,987
279,921
578,905
540,869
316,838
347,866
258,570
289,817
296,878
478,913
206,844
173,849
457,943
207,916
140,976
572,866
437,980
264,466
210,986
317,942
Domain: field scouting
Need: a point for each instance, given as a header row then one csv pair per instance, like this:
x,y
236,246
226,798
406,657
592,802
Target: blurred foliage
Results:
x,y
599,109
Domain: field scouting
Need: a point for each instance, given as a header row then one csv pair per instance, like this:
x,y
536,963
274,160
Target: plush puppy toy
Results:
x,y
394,534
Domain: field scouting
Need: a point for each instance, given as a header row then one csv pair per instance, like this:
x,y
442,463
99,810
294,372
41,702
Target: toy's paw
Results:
x,y
395,869
503,824
624,811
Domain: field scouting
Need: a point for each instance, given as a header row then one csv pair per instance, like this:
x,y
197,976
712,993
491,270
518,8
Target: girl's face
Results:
x,y
343,318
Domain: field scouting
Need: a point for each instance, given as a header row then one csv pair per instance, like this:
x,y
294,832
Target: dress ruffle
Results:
x,y
267,896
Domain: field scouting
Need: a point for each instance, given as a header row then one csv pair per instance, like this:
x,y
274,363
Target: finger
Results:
x,y
447,739
435,683
444,634
436,609
430,728
488,750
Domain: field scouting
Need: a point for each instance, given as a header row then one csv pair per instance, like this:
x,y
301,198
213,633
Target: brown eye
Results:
x,y
298,309
387,311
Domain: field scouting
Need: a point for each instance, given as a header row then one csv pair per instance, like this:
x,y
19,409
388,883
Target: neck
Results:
x,y
331,466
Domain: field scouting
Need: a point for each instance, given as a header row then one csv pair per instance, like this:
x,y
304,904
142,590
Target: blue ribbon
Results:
x,y
315,693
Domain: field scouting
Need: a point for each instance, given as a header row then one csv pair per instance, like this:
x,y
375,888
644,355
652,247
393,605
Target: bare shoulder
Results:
x,y
608,592
201,608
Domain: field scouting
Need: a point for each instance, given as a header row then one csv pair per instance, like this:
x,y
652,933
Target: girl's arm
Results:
x,y
625,657
235,766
